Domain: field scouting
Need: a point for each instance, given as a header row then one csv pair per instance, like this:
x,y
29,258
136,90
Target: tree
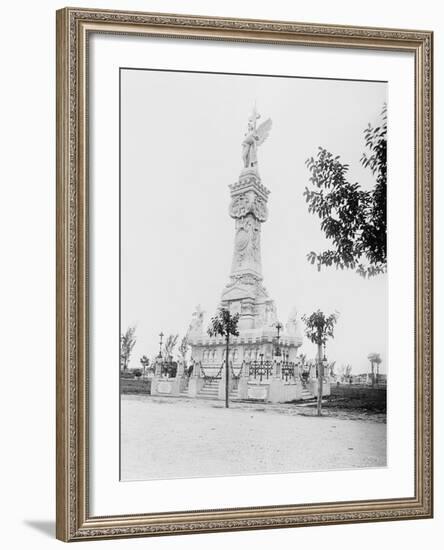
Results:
x,y
225,324
331,368
168,347
183,348
127,343
318,328
354,219
375,359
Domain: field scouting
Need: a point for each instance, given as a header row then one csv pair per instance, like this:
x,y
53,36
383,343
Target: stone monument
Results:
x,y
259,342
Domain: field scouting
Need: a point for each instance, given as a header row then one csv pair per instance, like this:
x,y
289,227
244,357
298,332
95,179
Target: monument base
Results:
x,y
165,386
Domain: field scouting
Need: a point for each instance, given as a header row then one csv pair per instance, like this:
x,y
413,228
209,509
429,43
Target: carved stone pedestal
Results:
x,y
165,386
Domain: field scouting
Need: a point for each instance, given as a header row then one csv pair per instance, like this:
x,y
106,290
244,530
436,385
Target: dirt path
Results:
x,y
164,438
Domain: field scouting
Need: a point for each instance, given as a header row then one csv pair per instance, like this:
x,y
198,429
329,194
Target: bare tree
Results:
x,y
345,372
183,348
127,343
170,344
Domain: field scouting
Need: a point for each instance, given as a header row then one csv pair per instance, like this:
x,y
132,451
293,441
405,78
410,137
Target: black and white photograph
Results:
x,y
253,274
219,309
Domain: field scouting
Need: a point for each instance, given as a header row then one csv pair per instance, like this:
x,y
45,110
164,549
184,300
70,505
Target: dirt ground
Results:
x,y
165,438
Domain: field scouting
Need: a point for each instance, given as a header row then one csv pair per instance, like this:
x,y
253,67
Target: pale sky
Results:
x,y
181,148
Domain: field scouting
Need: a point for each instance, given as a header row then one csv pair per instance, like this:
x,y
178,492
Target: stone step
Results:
x,y
307,395
211,391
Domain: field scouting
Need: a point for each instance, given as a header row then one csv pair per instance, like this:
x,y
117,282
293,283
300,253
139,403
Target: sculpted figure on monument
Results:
x,y
240,206
255,242
248,203
243,237
247,240
254,137
292,327
270,314
196,320
260,209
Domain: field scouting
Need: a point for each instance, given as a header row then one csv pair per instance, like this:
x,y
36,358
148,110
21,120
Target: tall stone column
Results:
x,y
248,208
245,294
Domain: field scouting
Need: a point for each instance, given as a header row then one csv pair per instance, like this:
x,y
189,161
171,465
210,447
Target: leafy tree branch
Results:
x,y
352,218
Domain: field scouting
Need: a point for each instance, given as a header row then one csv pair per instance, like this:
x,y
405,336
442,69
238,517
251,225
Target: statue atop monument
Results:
x,y
293,326
197,318
255,136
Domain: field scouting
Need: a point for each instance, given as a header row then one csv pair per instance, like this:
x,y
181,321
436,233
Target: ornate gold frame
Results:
x,y
73,519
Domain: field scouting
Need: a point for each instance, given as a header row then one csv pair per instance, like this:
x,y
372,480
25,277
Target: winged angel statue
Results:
x,y
254,137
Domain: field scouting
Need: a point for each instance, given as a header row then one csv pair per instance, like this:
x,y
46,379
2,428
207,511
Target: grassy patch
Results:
x,y
362,398
135,385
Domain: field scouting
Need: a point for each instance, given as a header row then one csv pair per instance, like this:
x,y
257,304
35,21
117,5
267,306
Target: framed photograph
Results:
x,y
244,274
